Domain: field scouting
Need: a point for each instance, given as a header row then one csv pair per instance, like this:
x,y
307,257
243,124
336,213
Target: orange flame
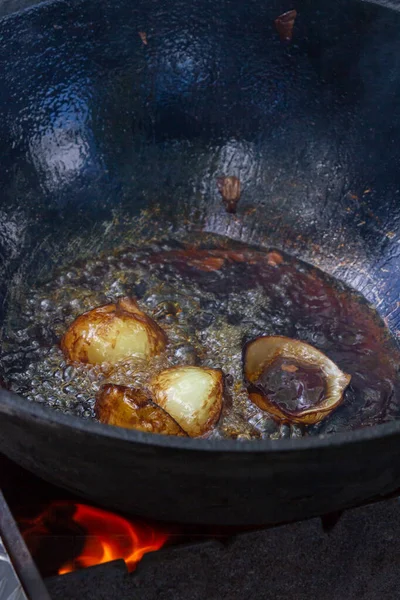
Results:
x,y
110,537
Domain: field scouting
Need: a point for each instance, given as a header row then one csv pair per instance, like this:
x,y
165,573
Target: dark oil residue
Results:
x,y
292,385
211,295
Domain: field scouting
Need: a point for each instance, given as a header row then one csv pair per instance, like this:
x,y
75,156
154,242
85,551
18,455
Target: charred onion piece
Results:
x,y
292,380
191,395
284,25
111,333
126,407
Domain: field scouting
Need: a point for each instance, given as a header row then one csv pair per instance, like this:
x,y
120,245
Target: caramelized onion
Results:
x,y
130,408
291,380
111,333
191,395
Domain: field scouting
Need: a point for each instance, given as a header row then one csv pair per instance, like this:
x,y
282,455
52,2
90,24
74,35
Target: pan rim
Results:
x,y
14,405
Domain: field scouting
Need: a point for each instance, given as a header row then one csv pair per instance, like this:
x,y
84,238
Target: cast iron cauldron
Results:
x,y
96,124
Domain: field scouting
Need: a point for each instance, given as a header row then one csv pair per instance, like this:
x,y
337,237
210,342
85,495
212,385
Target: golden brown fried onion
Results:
x,y
130,408
111,333
191,395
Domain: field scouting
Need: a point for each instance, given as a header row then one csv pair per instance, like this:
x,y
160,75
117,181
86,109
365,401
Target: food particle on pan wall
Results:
x,y
113,332
229,188
284,25
291,380
143,37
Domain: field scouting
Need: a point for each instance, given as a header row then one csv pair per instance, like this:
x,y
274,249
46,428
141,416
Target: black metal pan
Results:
x,y
98,122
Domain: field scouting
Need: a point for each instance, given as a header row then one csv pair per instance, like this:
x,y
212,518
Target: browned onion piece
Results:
x,y
111,333
126,407
292,380
191,395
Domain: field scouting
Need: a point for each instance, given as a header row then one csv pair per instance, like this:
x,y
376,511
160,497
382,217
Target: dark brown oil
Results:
x,y
211,295
292,385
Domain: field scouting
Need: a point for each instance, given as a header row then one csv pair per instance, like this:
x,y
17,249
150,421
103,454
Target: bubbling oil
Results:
x,y
211,295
